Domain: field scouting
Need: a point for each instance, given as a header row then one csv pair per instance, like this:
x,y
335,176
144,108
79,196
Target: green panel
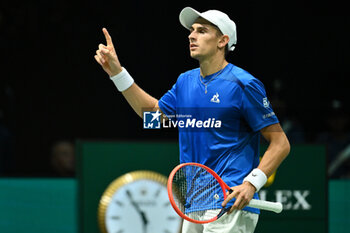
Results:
x,y
99,163
293,226
301,181
38,206
339,206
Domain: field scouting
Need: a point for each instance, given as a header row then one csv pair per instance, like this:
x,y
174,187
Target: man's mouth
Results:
x,y
193,46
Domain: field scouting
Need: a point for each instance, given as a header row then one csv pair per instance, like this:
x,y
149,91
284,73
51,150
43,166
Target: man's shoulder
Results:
x,y
239,76
187,74
191,72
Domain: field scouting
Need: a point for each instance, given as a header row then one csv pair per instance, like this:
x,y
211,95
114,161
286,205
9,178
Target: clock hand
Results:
x,y
136,206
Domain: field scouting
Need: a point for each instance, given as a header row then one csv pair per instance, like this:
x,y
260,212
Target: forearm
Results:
x,y
274,155
139,100
276,152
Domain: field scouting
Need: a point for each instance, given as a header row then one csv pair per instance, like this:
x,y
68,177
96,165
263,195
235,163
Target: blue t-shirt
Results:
x,y
230,115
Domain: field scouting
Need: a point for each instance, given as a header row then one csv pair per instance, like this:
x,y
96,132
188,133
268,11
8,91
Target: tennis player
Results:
x,y
216,90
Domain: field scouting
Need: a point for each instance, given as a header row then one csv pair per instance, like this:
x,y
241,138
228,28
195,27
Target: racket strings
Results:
x,y
198,191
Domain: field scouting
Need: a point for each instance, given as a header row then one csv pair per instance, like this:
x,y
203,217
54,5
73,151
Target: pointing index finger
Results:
x,y
107,36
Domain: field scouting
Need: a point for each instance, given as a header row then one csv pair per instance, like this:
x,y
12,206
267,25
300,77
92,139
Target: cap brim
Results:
x,y
188,16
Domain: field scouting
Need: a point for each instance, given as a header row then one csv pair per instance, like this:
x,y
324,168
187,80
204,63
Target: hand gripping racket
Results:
x,y
196,193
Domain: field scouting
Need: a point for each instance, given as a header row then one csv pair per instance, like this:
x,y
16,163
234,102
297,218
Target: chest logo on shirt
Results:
x,y
215,98
266,102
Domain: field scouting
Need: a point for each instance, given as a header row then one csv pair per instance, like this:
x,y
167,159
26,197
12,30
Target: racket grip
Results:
x,y
266,205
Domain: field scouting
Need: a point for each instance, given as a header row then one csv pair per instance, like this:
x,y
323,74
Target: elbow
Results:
x,y
286,147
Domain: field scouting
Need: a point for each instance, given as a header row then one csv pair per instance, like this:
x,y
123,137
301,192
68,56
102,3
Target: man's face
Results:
x,y
204,39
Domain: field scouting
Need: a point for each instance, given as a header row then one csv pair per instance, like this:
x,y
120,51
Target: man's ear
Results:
x,y
223,41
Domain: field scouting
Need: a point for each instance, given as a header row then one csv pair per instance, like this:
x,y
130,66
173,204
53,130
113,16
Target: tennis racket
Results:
x,y
196,193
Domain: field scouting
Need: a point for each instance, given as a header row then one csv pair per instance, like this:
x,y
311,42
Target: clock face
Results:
x,y
141,206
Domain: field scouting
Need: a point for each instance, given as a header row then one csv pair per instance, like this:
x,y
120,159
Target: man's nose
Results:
x,y
191,36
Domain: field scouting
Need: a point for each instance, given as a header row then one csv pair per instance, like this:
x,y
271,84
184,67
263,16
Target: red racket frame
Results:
x,y
222,184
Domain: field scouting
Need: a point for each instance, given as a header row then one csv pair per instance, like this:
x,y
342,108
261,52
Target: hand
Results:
x,y
107,57
243,194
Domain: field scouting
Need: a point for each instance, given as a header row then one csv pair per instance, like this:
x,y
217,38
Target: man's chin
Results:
x,y
195,55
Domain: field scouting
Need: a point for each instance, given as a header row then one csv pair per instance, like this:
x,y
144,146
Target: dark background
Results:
x,y
52,88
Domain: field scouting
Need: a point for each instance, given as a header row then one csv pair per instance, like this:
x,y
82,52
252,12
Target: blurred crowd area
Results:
x,y
52,92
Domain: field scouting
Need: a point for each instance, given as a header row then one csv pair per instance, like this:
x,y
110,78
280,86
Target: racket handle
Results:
x,y
266,205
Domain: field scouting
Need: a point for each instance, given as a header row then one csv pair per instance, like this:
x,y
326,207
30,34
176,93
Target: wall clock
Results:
x,y
138,202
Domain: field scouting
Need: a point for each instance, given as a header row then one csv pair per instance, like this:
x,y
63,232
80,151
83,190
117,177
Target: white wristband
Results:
x,y
257,178
123,80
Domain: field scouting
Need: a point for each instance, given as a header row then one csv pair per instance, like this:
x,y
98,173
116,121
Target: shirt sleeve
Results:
x,y
168,102
256,108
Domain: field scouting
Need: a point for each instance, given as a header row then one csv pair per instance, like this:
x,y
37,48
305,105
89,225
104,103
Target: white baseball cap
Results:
x,y
189,15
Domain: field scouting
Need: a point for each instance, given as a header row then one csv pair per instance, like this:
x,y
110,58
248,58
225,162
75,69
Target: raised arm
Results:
x,y
139,100
136,97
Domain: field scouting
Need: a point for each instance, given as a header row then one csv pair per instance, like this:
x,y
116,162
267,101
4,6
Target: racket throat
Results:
x,y
222,212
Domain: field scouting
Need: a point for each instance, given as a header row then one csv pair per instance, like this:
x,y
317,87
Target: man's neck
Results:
x,y
212,65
